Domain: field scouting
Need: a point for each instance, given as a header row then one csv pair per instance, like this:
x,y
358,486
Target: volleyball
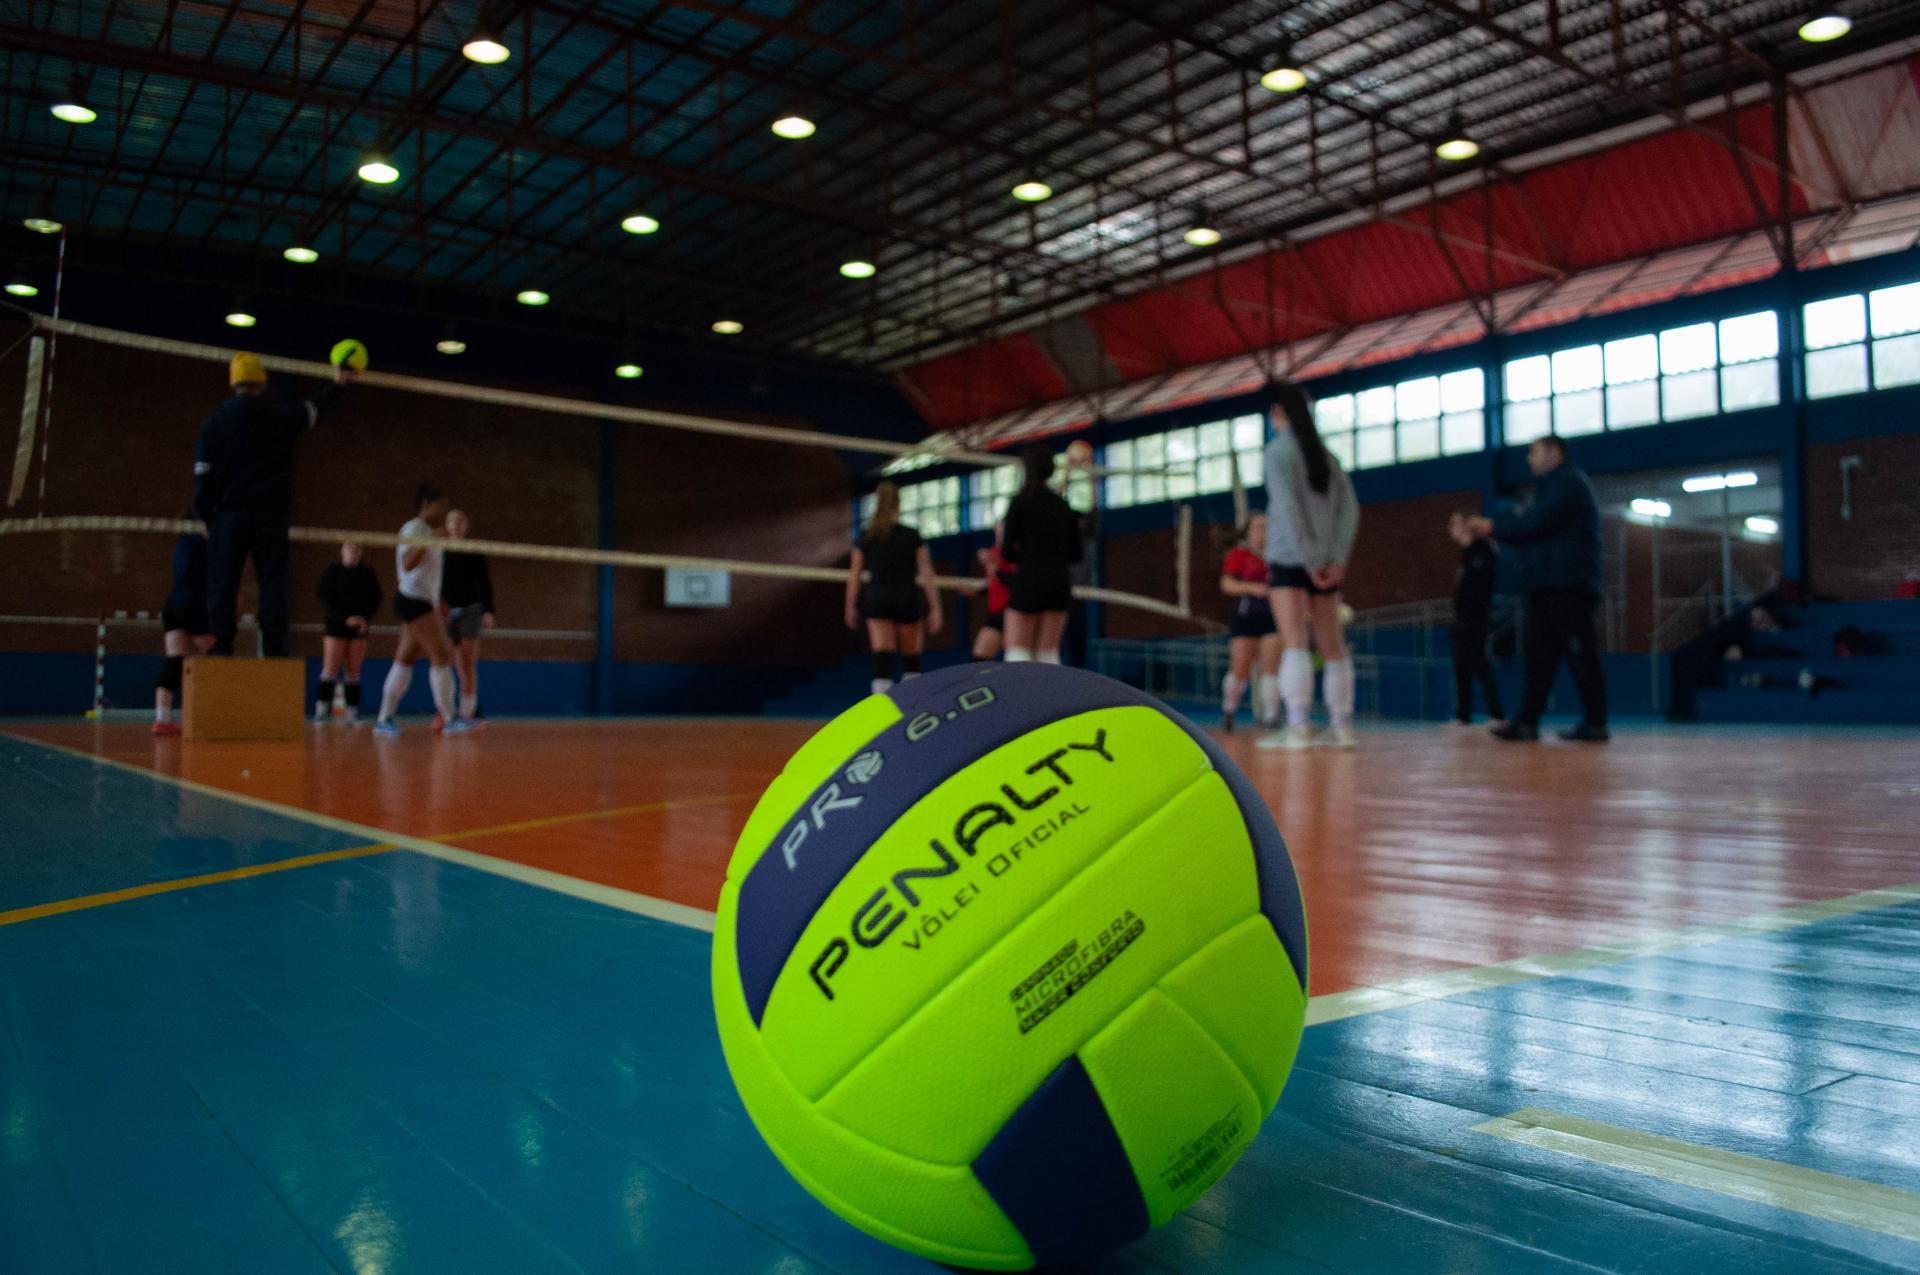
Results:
x,y
350,354
1009,965
1079,452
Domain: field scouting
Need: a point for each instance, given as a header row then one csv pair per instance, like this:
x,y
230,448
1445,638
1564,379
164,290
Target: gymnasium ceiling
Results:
x,y
239,128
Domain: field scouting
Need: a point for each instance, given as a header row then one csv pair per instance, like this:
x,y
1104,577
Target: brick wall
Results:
x,y
1868,556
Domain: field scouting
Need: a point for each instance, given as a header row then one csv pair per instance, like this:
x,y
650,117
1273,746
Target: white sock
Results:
x,y
1018,655
1231,689
399,678
470,704
440,678
1047,657
1339,688
1296,685
881,685
1270,698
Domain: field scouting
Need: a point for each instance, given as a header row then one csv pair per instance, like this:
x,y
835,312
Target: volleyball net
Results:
x,y
560,490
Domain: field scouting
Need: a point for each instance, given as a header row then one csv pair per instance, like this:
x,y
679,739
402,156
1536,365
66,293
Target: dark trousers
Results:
x,y
233,536
1470,664
1560,621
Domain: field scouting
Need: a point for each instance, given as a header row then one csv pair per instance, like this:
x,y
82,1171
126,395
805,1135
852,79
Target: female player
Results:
x,y
900,603
1312,519
987,642
183,618
1252,635
1043,537
349,596
416,600
467,589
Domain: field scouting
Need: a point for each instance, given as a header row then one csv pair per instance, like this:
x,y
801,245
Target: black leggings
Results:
x,y
1470,664
1559,622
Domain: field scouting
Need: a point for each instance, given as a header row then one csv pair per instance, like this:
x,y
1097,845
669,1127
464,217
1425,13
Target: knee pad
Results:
x,y
910,663
883,663
171,673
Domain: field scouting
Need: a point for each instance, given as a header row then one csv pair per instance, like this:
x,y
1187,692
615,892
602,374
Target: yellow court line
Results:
x,y
552,821
1828,1196
86,901
1526,969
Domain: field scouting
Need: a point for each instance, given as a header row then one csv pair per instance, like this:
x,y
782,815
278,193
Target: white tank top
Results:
x,y
422,584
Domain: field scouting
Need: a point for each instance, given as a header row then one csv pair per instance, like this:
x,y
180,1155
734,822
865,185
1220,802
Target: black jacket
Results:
x,y
245,456
1562,531
347,591
465,581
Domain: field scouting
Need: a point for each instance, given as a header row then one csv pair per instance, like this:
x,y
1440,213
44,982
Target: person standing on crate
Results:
x,y
349,594
183,621
243,491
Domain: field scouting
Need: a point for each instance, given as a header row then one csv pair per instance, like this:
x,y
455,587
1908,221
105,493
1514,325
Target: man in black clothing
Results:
x,y
243,490
1563,591
1472,615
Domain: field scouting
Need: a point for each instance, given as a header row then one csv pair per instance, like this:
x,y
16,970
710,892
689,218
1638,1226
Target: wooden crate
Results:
x,y
227,698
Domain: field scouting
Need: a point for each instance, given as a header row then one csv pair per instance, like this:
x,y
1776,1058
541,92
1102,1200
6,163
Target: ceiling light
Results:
x,y
485,50
1746,478
43,225
639,224
629,371
1455,145
1763,526
1032,191
1283,73
73,108
729,327
857,269
300,255
18,285
450,345
793,126
1201,232
1823,27
1719,482
531,296
241,318
378,171
1651,508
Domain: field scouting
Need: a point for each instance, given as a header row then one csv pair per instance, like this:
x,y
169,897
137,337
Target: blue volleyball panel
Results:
x,y
1059,1173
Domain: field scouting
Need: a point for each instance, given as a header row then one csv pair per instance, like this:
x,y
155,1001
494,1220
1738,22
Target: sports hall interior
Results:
x,y
438,1004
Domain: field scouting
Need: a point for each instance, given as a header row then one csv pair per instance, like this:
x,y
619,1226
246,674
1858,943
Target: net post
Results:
x,y
99,668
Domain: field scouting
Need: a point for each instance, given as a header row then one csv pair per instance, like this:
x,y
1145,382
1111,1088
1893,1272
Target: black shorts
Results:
x,y
899,608
1294,576
192,618
336,626
410,609
1038,589
996,620
1254,621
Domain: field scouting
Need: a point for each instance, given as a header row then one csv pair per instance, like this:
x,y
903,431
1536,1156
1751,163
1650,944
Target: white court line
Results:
x,y
1828,1196
1321,1009
1526,969
612,896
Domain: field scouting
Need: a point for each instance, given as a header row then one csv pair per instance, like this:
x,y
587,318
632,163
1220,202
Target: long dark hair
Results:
x,y
1037,460
1291,402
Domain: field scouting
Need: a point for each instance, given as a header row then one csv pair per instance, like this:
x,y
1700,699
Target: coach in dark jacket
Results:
x,y
243,490
1561,530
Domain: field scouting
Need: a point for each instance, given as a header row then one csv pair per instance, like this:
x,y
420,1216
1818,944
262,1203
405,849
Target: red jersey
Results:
x,y
998,595
1245,564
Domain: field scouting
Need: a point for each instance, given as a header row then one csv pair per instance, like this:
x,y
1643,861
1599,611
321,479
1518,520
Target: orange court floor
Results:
x,y
1422,851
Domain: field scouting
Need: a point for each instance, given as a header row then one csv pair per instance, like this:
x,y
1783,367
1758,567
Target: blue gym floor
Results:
x,y
388,1062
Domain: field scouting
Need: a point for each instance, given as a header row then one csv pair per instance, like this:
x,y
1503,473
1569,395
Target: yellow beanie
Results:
x,y
246,370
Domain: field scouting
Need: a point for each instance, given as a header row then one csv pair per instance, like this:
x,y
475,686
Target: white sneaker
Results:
x,y
1294,739
1341,736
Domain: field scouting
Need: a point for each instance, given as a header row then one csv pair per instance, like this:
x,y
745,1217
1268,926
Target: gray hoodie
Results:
x,y
1306,528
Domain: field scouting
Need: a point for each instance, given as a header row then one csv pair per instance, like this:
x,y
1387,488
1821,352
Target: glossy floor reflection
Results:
x,y
393,1063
